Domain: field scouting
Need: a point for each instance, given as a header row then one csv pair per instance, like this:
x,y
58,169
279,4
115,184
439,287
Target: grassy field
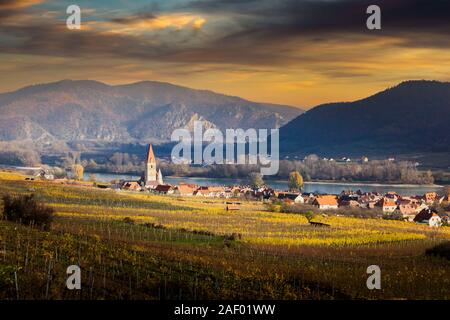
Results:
x,y
142,246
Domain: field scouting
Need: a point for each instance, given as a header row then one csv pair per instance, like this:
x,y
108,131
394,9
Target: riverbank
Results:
x,y
324,187
377,184
279,180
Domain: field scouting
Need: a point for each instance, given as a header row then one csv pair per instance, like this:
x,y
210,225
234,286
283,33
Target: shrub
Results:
x,y
441,250
154,225
128,220
271,207
233,237
26,210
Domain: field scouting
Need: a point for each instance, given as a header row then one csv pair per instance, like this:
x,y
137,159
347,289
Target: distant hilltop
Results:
x,y
413,117
140,112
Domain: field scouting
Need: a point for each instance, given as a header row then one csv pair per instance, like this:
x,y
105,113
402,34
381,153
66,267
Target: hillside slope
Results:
x,y
411,117
139,112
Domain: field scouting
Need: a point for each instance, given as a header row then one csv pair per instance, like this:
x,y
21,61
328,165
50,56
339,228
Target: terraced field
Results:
x,y
142,246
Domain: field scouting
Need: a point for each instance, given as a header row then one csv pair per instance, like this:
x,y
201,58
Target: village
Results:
x,y
429,208
414,208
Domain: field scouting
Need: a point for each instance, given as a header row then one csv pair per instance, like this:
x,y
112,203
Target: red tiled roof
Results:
x,y
386,202
327,200
163,188
185,189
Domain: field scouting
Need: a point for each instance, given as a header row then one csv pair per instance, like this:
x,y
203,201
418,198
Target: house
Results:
x,y
184,190
217,191
326,202
349,200
264,193
202,193
406,200
446,218
42,174
392,195
210,192
368,201
131,186
371,204
430,197
295,197
387,205
429,217
349,203
308,198
233,191
164,189
407,211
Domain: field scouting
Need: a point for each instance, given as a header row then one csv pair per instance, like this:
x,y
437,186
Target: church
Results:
x,y
152,177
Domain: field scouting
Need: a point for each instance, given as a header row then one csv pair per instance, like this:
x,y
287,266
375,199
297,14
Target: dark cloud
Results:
x,y
266,20
262,32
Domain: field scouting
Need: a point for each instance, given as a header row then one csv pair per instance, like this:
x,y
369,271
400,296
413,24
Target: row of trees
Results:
x,y
295,180
373,171
312,168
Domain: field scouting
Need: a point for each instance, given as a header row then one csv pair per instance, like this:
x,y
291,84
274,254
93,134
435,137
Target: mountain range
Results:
x,y
141,112
412,117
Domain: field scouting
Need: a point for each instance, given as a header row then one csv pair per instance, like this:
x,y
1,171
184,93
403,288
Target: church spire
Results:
x,y
151,175
150,155
160,177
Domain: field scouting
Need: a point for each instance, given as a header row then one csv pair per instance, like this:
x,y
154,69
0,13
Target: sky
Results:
x,y
295,52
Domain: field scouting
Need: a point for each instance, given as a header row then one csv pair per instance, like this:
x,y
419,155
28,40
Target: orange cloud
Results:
x,y
136,25
16,4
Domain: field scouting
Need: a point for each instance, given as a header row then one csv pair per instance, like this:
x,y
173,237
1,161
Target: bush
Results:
x,y
233,237
154,225
271,207
128,220
441,250
26,210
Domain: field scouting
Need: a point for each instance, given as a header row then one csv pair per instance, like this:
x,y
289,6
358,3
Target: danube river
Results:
x,y
320,187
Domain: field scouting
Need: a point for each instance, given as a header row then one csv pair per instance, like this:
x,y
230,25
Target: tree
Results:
x,y
295,181
78,172
256,180
310,215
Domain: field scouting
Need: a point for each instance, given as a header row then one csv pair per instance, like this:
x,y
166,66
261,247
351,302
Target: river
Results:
x,y
320,187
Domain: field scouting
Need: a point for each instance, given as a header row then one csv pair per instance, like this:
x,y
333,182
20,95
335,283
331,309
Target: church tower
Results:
x,y
150,167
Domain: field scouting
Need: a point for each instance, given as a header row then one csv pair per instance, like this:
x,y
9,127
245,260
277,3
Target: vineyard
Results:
x,y
142,246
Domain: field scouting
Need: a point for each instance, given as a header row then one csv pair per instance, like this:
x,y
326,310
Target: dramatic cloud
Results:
x,y
14,4
290,51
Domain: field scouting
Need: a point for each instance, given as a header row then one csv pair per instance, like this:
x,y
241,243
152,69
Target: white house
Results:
x,y
326,202
294,196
